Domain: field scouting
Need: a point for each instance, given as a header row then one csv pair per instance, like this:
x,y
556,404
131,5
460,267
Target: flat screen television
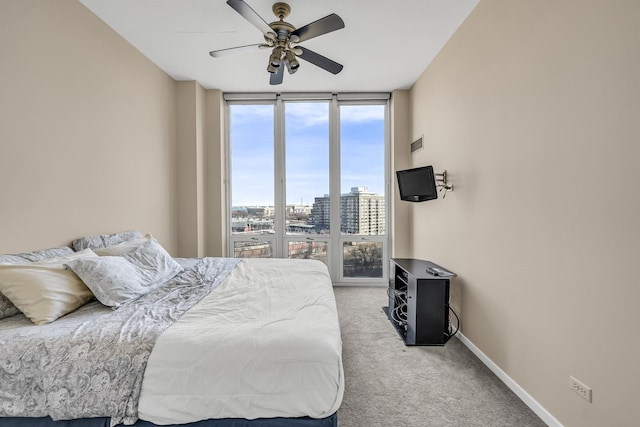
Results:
x,y
417,185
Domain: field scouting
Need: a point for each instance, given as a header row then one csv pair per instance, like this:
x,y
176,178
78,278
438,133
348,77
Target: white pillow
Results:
x,y
44,290
118,280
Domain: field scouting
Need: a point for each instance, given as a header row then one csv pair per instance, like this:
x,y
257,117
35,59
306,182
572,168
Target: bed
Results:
x,y
223,343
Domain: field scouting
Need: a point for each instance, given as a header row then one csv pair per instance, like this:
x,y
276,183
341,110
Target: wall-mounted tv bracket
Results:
x,y
441,183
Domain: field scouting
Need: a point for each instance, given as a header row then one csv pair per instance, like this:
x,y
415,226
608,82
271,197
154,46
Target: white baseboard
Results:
x,y
519,391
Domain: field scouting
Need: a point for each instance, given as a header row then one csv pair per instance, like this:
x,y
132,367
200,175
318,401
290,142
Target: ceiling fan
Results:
x,y
283,38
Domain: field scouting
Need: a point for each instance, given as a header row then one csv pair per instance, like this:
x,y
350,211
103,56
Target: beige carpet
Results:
x,y
388,384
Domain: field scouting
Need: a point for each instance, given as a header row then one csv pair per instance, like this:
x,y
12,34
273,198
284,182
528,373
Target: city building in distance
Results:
x,y
361,212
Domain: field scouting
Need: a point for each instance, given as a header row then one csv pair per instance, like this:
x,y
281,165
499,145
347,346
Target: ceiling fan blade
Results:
x,y
322,26
233,50
250,15
276,78
319,60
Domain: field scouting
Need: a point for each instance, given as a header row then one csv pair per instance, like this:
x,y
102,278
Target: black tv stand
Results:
x,y
419,301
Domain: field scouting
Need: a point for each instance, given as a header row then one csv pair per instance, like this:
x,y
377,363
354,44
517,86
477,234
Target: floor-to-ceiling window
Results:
x,y
363,207
308,178
252,174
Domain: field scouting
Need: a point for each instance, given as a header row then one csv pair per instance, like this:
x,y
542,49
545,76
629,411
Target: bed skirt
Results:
x,y
331,421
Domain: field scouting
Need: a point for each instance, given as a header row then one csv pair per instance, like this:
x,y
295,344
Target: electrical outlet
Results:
x,y
583,390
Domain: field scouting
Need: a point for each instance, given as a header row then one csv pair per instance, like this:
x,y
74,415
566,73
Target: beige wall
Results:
x,y
201,171
190,141
87,130
533,107
400,159
215,175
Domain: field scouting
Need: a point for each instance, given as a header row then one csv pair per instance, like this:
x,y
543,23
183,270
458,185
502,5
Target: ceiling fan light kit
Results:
x,y
291,61
283,38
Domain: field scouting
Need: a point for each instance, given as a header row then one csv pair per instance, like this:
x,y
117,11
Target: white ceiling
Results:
x,y
385,45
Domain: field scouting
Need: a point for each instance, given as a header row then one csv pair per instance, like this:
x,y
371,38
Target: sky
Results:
x,y
306,151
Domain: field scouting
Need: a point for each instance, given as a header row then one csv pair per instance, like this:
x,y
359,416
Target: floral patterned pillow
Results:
x,y
104,240
7,309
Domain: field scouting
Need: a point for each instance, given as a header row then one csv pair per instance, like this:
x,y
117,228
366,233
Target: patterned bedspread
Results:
x,y
91,362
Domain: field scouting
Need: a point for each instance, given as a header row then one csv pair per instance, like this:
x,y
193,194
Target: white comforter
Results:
x,y
266,343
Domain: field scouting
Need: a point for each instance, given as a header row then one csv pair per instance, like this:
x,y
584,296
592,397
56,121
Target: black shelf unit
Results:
x,y
419,301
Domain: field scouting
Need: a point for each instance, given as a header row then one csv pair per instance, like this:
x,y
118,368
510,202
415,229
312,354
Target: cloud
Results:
x,y
361,113
241,114
315,113
308,114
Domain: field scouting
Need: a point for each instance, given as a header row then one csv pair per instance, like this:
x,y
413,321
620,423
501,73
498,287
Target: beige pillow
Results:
x,y
44,290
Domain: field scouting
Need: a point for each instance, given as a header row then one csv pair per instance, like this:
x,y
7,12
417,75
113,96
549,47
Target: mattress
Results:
x,y
266,343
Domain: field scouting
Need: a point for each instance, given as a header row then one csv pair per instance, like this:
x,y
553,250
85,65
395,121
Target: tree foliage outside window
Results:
x,y
362,259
